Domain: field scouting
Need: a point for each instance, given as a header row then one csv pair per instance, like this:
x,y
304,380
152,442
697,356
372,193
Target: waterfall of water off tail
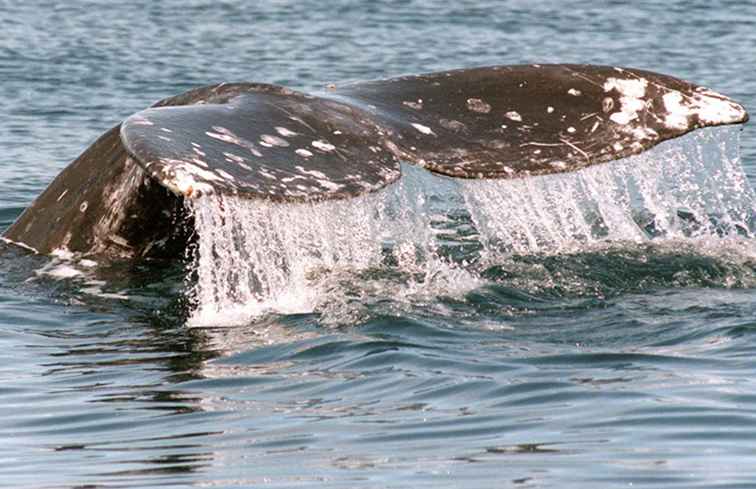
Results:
x,y
257,256
433,233
689,187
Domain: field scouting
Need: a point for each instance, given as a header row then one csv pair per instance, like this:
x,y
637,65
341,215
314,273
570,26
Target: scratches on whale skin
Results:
x,y
225,135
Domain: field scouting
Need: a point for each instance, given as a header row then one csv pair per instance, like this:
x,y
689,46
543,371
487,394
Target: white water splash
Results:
x,y
256,257
690,187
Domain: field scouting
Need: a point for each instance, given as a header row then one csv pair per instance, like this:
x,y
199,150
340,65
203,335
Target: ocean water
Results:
x,y
589,330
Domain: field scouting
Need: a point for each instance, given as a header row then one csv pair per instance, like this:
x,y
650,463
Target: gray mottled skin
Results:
x,y
124,195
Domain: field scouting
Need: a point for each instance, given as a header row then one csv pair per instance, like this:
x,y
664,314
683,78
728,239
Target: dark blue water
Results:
x,y
616,364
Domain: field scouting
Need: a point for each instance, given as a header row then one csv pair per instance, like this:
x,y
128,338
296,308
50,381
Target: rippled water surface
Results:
x,y
590,330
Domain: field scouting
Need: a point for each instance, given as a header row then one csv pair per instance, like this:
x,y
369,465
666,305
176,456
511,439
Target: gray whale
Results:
x,y
124,196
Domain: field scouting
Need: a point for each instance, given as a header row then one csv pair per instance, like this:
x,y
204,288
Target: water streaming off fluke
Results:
x,y
428,234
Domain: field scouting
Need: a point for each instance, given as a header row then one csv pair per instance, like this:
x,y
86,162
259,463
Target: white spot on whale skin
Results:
x,y
313,173
182,177
574,92
83,206
677,113
323,145
414,105
622,118
423,129
631,100
329,185
225,175
165,129
513,115
303,152
710,107
559,165
200,162
223,134
285,132
232,158
268,175
478,105
549,109
270,141
164,138
571,129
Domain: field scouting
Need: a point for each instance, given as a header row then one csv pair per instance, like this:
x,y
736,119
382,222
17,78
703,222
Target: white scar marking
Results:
x,y
423,129
313,173
414,105
631,93
304,152
323,145
513,115
223,134
270,141
478,105
559,165
285,132
574,92
709,106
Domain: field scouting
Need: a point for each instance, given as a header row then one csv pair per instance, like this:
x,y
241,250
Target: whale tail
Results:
x,y
123,195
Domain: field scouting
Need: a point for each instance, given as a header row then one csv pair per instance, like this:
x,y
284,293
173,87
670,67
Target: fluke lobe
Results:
x,y
124,195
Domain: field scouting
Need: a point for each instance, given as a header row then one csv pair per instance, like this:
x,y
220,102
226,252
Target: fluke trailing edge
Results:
x,y
124,195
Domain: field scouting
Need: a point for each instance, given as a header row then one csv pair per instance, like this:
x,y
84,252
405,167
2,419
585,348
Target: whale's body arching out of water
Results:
x,y
124,195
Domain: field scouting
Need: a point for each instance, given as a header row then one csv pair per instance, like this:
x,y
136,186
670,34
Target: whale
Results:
x,y
125,196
